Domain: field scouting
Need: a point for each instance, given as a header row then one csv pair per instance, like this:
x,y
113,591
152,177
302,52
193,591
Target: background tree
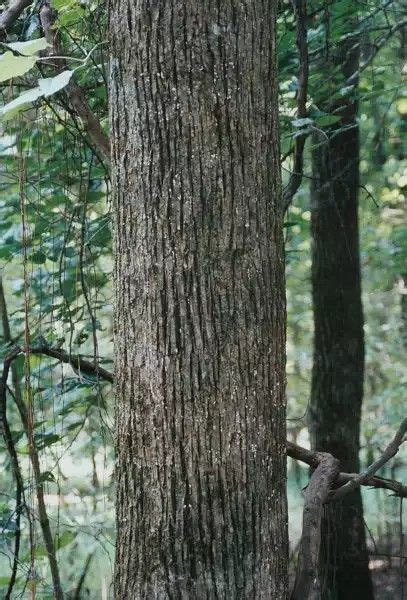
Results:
x,y
338,360
335,273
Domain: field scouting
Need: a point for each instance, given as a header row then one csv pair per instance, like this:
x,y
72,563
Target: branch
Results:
x,y
307,581
363,478
10,15
39,485
8,438
42,509
313,458
8,339
9,443
91,124
352,80
79,364
76,362
74,92
318,493
300,10
78,590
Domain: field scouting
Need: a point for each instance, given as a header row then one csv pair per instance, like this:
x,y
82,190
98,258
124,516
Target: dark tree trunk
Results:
x,y
200,308
338,369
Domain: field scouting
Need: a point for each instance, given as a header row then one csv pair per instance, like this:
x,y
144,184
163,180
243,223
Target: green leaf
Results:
x,y
288,224
22,101
38,257
51,85
44,440
31,47
327,120
14,66
67,537
302,122
46,87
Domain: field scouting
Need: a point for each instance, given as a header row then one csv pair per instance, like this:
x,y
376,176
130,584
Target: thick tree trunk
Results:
x,y
200,309
338,369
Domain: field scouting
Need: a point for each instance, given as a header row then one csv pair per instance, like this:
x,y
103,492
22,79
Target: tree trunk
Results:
x,y
338,368
200,307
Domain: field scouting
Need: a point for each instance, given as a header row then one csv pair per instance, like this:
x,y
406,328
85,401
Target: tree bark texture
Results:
x,y
338,367
200,306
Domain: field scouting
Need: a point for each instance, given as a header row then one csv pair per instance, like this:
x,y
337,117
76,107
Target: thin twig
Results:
x,y
39,485
353,79
364,477
9,443
20,499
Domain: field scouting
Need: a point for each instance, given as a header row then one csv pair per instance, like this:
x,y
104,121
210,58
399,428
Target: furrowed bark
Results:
x,y
200,309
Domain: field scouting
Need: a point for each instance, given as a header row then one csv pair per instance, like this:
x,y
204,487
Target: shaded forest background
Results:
x,y
56,273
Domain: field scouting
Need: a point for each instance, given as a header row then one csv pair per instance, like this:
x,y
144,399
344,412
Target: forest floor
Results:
x,y
388,582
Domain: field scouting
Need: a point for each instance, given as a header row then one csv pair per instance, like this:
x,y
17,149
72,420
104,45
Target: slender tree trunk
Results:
x,y
200,308
338,369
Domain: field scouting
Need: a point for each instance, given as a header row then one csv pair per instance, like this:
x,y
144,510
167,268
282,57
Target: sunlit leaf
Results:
x,y
46,87
67,537
15,66
30,47
51,85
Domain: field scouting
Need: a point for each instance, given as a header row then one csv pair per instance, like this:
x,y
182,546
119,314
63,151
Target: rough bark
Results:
x,y
338,367
200,309
308,583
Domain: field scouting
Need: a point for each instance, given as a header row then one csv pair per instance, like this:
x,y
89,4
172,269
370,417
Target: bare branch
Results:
x,y
319,491
90,122
353,79
79,364
8,438
363,478
312,459
10,15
